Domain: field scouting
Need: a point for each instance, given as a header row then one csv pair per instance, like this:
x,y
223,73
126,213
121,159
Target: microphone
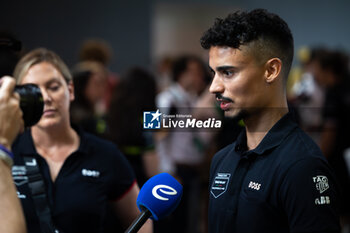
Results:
x,y
158,197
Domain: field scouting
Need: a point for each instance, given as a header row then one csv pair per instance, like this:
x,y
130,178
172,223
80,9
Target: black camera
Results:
x,y
31,103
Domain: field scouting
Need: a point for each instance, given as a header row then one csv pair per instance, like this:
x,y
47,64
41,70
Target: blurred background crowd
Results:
x,y
128,57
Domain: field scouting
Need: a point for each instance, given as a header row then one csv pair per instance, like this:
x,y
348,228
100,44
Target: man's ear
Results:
x,y
71,90
273,69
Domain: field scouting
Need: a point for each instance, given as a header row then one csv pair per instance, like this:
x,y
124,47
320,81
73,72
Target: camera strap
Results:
x,y
38,190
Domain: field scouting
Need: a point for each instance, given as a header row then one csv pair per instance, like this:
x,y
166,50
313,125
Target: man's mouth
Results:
x,y
224,102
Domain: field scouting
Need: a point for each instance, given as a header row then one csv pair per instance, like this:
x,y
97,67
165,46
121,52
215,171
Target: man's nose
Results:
x,y
216,85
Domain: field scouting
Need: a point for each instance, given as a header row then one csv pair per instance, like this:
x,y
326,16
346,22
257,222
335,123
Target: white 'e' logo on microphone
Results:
x,y
160,186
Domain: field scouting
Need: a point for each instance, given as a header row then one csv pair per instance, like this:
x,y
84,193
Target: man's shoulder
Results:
x,y
299,147
304,144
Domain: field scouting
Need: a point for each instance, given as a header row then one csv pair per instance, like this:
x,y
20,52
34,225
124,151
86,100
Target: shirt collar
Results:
x,y
272,139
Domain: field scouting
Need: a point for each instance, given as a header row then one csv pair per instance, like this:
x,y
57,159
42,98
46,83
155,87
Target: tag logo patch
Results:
x,y
321,183
220,184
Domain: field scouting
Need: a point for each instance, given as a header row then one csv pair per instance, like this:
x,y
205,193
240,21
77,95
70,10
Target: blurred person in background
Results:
x,y
75,173
163,73
182,153
135,94
99,50
330,69
87,109
188,74
305,94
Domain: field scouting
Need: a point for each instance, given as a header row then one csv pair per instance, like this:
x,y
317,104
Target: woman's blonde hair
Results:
x,y
37,56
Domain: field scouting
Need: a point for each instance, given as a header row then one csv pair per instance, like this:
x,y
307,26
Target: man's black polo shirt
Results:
x,y
94,174
283,185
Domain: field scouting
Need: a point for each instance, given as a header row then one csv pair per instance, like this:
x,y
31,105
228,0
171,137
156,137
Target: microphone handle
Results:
x,y
139,221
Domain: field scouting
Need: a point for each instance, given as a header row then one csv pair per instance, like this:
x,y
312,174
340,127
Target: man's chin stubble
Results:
x,y
241,115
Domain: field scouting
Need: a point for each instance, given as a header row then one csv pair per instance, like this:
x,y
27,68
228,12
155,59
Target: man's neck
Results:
x,y
258,125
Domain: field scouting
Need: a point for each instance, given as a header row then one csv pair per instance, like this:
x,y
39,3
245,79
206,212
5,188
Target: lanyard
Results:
x,y
38,190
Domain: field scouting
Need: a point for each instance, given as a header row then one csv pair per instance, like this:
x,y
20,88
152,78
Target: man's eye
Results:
x,y
227,72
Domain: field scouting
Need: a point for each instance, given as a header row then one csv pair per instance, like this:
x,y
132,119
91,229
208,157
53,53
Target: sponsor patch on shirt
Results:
x,y
90,173
323,200
254,185
220,184
321,183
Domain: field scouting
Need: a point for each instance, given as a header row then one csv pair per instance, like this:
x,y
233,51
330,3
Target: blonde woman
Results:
x,y
81,172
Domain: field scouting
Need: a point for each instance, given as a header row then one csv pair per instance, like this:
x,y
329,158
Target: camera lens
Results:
x,y
31,103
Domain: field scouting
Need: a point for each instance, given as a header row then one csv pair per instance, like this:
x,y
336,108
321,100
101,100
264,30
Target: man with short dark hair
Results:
x,y
273,178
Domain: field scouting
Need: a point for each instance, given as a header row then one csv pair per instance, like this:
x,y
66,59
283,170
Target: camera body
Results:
x,y
31,103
